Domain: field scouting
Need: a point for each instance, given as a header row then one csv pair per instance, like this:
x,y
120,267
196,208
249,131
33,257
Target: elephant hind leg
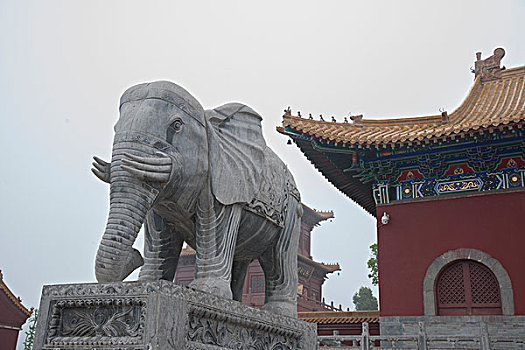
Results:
x,y
279,263
239,269
162,248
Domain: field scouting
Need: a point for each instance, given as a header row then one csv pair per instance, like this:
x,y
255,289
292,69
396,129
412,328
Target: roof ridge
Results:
x,y
520,70
490,103
457,115
402,121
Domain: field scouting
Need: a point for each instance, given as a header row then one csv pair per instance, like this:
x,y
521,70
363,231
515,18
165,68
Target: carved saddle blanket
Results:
x,y
275,189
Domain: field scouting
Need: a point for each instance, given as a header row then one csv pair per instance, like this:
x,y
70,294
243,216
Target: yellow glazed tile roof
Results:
x,y
335,317
490,103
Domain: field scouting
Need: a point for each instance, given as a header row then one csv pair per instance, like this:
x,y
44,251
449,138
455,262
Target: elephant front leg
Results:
x,y
279,263
162,247
216,234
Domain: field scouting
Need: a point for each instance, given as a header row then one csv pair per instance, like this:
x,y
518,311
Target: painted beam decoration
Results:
x,y
477,182
458,186
304,272
489,163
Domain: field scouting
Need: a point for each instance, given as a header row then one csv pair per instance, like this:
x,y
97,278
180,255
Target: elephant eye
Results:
x,y
174,128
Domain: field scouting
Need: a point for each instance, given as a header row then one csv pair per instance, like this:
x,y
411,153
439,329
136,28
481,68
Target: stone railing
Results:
x,y
421,341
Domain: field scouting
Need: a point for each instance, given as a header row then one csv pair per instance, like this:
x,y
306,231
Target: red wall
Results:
x,y
8,339
10,316
419,232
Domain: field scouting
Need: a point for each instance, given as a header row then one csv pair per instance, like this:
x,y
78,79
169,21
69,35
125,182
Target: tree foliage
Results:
x,y
30,333
365,300
372,265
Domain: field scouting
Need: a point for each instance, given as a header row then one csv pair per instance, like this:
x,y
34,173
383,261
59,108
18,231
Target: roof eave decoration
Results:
x,y
495,103
328,268
496,99
16,300
323,161
313,217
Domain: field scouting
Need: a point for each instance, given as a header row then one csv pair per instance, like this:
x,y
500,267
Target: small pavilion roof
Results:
x,y
498,101
328,268
14,299
336,317
313,217
187,250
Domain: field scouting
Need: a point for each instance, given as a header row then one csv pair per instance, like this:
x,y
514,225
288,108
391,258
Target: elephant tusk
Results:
x,y
146,175
101,175
148,167
99,167
102,169
163,160
100,161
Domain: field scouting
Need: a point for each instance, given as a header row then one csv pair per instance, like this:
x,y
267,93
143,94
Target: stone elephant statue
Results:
x,y
202,177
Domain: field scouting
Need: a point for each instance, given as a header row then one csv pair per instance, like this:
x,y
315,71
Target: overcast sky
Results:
x,y
64,65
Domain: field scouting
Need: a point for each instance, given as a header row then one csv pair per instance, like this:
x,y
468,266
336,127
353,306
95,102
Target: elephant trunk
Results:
x,y
130,200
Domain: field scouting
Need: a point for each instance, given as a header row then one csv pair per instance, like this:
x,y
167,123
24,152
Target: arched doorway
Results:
x,y
467,287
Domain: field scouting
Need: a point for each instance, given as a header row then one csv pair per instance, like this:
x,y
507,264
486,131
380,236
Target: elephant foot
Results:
x,y
286,308
213,286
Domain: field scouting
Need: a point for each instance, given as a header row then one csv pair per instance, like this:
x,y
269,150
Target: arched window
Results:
x,y
466,287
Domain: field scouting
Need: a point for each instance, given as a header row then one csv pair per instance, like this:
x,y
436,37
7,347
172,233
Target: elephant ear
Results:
x,y
236,152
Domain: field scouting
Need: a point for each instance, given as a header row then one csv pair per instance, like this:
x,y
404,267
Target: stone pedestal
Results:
x,y
159,316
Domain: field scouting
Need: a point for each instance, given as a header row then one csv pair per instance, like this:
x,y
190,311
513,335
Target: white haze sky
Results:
x,y
64,65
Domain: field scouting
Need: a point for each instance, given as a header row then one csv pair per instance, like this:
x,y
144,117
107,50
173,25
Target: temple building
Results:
x,y
448,191
12,316
312,274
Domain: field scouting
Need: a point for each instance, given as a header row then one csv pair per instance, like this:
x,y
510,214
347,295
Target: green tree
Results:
x,y
365,300
30,333
372,265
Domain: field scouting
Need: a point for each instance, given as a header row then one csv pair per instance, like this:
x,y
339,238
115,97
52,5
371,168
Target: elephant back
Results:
x,y
236,152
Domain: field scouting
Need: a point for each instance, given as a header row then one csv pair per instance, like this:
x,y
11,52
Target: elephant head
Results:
x,y
160,141
168,149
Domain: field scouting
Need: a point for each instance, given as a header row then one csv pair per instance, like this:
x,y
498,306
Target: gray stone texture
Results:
x,y
455,332
206,178
159,315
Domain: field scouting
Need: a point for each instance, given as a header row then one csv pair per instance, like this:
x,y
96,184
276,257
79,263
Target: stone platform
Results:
x,y
159,316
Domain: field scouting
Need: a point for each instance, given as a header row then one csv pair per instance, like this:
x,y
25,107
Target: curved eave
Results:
x,y
327,268
313,217
494,103
360,193
16,300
